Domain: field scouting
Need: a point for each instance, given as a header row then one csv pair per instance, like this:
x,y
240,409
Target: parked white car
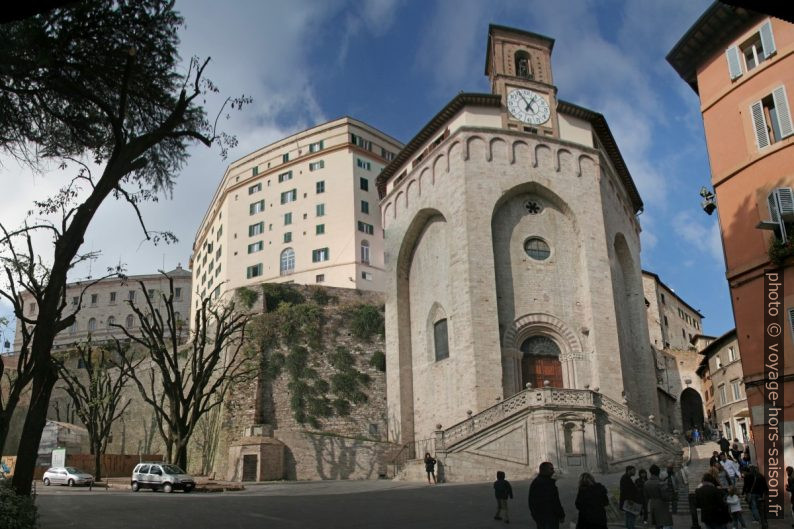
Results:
x,y
67,476
161,476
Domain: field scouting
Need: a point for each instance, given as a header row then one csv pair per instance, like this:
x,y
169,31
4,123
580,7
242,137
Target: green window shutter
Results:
x,y
759,124
783,114
734,63
767,40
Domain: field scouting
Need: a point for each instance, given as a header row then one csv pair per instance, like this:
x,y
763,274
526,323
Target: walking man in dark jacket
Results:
x,y
725,445
630,497
502,491
544,499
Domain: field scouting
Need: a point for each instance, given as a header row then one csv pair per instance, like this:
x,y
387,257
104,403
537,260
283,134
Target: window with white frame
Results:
x,y
92,324
320,255
723,395
320,210
366,276
320,187
736,386
357,140
316,146
731,354
746,56
283,177
256,247
365,252
256,207
363,164
289,196
771,118
316,166
363,227
287,265
255,188
256,229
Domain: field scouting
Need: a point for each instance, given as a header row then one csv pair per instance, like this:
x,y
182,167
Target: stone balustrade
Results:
x,y
550,398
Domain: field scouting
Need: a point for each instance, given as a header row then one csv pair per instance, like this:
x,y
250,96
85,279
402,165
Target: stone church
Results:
x,y
515,317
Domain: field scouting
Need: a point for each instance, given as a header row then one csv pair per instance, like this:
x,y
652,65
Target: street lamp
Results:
x,y
709,201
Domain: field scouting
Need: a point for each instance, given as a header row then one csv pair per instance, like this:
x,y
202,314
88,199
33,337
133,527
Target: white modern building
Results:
x,y
303,209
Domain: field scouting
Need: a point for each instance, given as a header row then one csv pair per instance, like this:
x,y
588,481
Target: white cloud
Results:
x,y
704,237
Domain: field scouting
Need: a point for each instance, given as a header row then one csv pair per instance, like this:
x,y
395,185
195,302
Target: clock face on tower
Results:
x,y
528,106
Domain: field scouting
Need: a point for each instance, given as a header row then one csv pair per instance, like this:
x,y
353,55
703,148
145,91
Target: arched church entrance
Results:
x,y
540,362
691,409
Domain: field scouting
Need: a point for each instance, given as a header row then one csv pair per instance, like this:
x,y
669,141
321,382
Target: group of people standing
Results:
x,y
651,497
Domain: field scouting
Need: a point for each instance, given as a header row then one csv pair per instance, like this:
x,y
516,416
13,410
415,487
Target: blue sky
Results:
x,y
394,64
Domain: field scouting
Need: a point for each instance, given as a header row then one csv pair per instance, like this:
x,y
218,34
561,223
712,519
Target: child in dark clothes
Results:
x,y
502,491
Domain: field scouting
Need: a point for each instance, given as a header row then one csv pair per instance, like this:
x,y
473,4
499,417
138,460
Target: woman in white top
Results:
x,y
731,468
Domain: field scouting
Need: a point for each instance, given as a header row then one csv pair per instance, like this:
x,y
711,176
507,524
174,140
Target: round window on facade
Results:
x,y
537,248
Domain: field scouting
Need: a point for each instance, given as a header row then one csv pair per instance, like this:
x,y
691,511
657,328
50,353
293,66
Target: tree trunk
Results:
x,y
97,461
181,456
43,381
6,417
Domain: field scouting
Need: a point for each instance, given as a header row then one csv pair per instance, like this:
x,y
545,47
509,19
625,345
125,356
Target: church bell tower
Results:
x,y
518,63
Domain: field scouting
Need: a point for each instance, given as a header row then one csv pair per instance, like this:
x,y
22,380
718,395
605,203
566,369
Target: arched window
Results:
x,y
523,66
111,321
365,252
73,328
92,324
441,339
130,322
287,261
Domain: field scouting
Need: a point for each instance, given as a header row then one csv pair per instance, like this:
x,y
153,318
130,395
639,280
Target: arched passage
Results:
x,y
691,409
540,362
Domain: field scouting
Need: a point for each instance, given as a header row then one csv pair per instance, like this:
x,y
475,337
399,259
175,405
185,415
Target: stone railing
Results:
x,y
549,398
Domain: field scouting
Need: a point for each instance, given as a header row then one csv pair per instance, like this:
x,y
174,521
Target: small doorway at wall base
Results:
x,y
540,362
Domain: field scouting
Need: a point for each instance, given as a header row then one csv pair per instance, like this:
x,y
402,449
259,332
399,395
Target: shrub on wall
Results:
x,y
366,321
378,361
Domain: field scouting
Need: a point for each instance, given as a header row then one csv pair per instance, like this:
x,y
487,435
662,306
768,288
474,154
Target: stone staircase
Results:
x,y
577,430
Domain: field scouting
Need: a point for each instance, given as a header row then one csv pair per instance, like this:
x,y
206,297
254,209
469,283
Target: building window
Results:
x,y
731,354
387,155
319,278
736,386
287,236
717,361
320,255
771,118
75,299
73,328
365,252
256,247
365,207
663,302
316,147
283,177
723,395
285,157
92,324
363,164
360,142
218,253
178,293
111,321
112,298
256,207
131,295
287,219
366,276
315,166
130,323
255,188
256,229
363,227
253,271
523,66
441,340
94,298
537,249
665,322
320,210
287,262
255,170
289,196
320,187
319,229
752,52
220,228
363,184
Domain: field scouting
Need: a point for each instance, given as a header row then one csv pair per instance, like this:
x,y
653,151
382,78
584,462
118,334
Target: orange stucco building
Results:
x,y
741,65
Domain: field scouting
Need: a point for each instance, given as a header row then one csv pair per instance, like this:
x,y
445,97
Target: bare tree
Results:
x,y
96,395
185,381
98,81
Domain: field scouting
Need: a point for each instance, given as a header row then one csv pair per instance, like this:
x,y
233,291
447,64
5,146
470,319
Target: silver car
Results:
x,y
67,476
161,476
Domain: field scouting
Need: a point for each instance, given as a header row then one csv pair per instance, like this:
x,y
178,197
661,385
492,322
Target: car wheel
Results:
x,y
135,486
46,482
167,488
71,483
